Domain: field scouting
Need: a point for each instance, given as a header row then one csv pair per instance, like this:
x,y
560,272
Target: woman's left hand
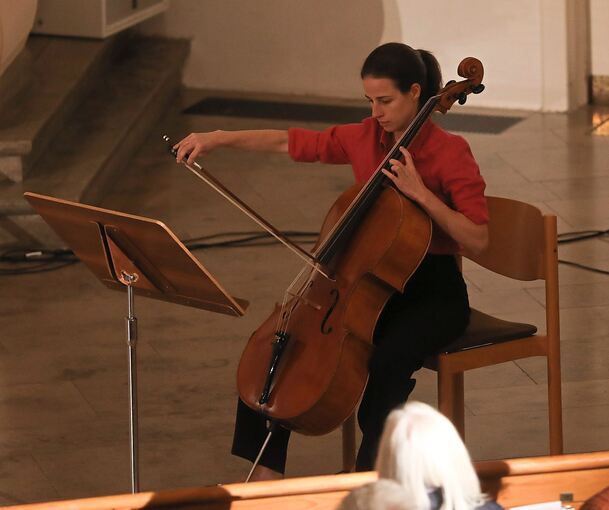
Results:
x,y
406,178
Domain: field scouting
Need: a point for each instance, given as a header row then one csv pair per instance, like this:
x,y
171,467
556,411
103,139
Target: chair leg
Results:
x,y
459,409
555,406
349,444
451,398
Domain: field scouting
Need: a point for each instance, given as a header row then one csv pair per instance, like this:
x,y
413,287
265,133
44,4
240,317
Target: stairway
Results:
x,y
72,112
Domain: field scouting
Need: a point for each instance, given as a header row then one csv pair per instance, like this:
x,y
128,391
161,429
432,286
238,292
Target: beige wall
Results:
x,y
599,35
287,46
16,20
315,47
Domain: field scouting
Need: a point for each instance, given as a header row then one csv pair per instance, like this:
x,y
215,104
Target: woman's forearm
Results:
x,y
195,144
269,140
473,238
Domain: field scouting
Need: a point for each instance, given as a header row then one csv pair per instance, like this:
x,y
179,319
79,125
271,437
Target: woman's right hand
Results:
x,y
196,144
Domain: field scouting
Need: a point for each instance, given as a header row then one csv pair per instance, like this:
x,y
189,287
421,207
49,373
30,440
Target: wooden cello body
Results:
x,y
306,366
325,361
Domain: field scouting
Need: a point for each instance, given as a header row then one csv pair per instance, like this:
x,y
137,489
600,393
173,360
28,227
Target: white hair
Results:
x,y
379,495
421,450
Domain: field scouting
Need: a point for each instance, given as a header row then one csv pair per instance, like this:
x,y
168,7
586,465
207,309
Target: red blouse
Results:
x,y
444,161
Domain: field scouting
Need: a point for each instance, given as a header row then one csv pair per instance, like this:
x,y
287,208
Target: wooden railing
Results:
x,y
512,482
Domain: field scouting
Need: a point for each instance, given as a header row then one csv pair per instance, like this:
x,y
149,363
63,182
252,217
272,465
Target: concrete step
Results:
x,y
40,90
96,143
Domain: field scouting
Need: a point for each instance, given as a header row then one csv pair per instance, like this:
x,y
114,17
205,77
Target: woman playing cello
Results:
x,y
439,173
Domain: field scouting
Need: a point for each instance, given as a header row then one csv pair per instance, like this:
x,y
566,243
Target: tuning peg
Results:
x,y
462,98
170,148
450,82
478,88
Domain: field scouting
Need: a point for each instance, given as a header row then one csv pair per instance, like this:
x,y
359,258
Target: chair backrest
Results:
x,y
518,240
523,245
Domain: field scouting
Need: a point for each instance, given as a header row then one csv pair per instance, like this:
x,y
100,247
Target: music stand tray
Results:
x,y
142,256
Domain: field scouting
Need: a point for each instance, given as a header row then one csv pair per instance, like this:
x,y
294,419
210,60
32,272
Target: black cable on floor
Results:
x,y
40,268
43,260
583,266
248,238
584,235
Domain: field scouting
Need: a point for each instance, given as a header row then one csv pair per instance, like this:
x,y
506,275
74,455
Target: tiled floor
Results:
x,y
63,393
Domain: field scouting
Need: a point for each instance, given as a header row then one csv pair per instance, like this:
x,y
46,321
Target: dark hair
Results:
x,y
405,66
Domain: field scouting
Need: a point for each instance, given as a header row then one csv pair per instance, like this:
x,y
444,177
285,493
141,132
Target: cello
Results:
x,y
306,366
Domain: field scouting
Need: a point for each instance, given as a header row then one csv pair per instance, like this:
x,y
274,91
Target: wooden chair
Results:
x,y
523,246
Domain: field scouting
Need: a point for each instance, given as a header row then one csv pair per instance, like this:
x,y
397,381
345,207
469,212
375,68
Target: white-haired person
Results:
x,y
421,450
380,495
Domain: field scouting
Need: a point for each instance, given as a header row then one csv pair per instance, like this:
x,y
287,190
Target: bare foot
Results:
x,y
262,473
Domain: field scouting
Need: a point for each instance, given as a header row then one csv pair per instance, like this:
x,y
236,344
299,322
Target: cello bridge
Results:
x,y
307,302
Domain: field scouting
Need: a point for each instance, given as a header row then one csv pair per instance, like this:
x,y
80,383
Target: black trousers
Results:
x,y
432,312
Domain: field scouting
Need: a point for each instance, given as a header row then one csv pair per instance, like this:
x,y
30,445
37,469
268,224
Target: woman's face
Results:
x,y
392,108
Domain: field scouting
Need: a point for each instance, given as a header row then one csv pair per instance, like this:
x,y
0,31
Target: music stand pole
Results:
x,y
132,360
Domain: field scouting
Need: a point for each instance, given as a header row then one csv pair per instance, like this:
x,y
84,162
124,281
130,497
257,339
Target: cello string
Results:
x,y
282,322
295,302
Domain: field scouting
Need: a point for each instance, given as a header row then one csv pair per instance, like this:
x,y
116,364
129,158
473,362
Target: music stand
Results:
x,y
143,255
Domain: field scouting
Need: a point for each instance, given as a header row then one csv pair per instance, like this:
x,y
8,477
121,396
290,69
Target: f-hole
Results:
x,y
327,330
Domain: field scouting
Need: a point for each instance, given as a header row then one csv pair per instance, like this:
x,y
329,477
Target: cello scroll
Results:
x,y
472,70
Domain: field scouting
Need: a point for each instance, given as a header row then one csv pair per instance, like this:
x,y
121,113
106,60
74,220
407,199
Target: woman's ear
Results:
x,y
415,91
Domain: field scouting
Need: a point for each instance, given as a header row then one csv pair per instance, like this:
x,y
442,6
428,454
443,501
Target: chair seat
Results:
x,y
484,330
